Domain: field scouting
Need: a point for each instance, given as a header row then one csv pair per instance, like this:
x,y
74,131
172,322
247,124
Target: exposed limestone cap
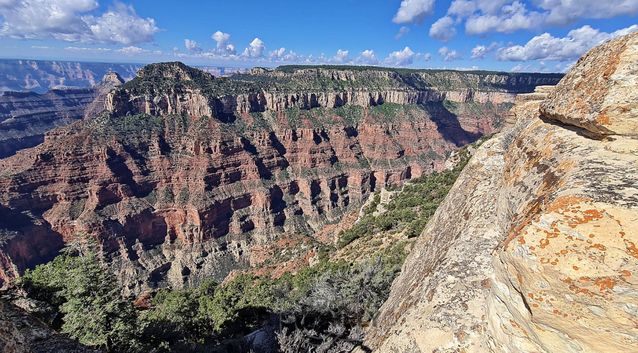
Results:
x,y
113,78
600,93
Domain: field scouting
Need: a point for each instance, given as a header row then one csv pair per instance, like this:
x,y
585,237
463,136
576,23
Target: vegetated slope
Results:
x,y
318,307
533,250
186,173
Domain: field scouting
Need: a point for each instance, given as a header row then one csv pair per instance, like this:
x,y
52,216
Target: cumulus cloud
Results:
x,y
403,57
448,54
479,51
192,46
223,47
413,11
511,17
69,20
283,55
342,56
255,49
547,47
367,57
443,29
506,16
563,12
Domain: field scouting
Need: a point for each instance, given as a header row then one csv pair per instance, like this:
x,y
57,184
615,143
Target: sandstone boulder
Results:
x,y
600,93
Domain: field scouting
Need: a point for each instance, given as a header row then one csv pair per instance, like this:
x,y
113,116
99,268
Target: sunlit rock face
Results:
x,y
534,249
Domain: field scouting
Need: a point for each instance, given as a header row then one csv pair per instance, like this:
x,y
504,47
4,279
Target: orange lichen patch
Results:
x,y
521,240
519,277
600,247
576,289
565,202
631,248
584,279
564,252
588,216
625,273
605,283
591,235
603,119
575,267
535,305
544,243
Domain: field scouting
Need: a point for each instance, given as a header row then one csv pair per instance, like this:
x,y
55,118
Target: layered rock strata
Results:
x,y
176,187
26,117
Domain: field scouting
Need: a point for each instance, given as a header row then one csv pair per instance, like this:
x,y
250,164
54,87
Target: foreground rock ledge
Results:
x,y
534,249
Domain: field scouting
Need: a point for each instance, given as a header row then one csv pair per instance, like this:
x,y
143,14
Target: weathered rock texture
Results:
x,y
177,185
26,117
600,93
534,249
22,333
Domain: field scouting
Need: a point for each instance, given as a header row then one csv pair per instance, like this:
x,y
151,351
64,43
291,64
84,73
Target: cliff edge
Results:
x,y
534,248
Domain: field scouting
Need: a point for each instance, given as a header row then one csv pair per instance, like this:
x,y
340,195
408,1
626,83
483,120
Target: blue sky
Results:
x,y
509,35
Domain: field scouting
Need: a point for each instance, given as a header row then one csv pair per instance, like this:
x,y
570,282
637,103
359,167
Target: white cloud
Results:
x,y
221,38
402,32
506,16
443,29
192,46
255,49
547,47
510,18
413,11
87,49
132,50
367,57
563,12
479,51
68,20
223,47
341,56
284,55
449,55
403,57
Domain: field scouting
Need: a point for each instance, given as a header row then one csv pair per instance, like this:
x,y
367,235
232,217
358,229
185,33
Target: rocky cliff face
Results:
x,y
26,117
178,182
306,88
22,333
534,248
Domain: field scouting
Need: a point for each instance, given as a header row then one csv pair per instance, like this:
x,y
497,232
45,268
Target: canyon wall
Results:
x,y
26,117
534,248
176,183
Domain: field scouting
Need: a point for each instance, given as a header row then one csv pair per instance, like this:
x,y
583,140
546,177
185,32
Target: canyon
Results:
x,y
26,116
178,175
533,249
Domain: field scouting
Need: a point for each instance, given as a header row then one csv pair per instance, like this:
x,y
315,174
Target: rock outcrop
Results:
x,y
534,248
177,183
20,332
600,93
